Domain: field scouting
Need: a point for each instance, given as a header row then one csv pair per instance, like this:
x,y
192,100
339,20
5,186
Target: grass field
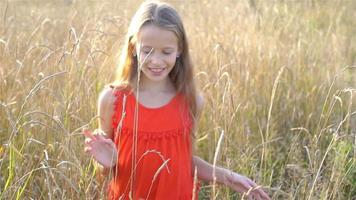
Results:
x,y
278,77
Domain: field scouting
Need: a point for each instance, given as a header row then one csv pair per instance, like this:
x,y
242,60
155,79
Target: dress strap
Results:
x,y
119,113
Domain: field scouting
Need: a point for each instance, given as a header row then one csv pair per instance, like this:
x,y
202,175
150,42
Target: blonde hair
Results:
x,y
166,17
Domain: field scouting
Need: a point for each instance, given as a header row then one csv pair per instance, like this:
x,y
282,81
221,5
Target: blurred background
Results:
x,y
278,78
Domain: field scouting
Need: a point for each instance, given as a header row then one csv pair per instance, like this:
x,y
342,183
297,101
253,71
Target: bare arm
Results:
x,y
106,110
237,182
101,147
205,171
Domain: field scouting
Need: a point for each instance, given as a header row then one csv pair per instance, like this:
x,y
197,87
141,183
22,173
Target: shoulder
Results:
x,y
106,107
106,97
109,94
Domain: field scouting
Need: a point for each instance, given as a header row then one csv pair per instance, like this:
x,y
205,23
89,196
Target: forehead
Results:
x,y
155,36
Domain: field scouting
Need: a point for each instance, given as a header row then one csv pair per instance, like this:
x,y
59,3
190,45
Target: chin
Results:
x,y
152,77
157,79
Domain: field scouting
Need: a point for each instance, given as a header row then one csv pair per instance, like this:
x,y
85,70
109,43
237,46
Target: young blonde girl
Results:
x,y
147,117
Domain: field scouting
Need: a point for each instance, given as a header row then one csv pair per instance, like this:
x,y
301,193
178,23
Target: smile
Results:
x,y
156,70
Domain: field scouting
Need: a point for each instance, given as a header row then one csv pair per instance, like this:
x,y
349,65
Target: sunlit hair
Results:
x,y
166,17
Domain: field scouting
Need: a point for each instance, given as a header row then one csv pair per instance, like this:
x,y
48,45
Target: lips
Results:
x,y
156,70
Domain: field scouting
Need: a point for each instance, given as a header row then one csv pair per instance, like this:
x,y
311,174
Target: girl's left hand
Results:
x,y
243,184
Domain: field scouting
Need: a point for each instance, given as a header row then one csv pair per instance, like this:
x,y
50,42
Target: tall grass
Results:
x,y
278,79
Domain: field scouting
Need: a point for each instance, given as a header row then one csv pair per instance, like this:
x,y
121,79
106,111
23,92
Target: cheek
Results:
x,y
140,59
143,58
172,59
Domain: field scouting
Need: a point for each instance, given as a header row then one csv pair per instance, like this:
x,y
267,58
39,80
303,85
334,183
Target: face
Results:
x,y
157,49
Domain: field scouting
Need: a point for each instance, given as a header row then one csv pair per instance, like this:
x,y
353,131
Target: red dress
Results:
x,y
162,165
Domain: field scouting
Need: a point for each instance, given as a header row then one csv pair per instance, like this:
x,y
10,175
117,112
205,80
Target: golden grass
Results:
x,y
278,78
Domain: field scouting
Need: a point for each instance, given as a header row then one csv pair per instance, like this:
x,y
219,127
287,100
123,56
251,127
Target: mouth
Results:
x,y
156,70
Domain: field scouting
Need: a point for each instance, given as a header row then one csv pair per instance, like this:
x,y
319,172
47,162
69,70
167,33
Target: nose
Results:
x,y
155,58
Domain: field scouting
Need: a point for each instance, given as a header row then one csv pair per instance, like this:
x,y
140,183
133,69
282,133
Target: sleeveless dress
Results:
x,y
159,166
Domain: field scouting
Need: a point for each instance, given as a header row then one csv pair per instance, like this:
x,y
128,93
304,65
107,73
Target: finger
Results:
x,y
113,145
88,141
110,143
254,191
99,132
260,192
252,183
257,196
87,149
101,137
245,196
236,180
264,195
88,134
246,186
104,139
258,189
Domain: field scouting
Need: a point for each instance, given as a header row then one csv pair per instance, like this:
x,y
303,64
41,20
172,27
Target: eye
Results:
x,y
167,52
146,50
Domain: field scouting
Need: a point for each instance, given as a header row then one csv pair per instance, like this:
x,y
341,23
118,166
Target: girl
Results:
x,y
147,118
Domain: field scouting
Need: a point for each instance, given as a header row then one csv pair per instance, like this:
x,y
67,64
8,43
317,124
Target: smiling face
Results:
x,y
160,46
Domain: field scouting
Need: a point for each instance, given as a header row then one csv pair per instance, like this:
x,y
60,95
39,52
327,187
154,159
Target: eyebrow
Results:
x,y
168,48
146,47
164,48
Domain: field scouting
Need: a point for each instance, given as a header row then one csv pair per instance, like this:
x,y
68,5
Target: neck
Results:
x,y
165,85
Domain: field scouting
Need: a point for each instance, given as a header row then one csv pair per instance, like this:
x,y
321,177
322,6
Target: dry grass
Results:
x,y
278,78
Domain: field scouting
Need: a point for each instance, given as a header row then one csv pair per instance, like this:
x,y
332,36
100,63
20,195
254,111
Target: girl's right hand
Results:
x,y
102,149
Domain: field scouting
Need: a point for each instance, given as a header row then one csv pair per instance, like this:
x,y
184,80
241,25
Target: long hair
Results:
x,y
166,17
